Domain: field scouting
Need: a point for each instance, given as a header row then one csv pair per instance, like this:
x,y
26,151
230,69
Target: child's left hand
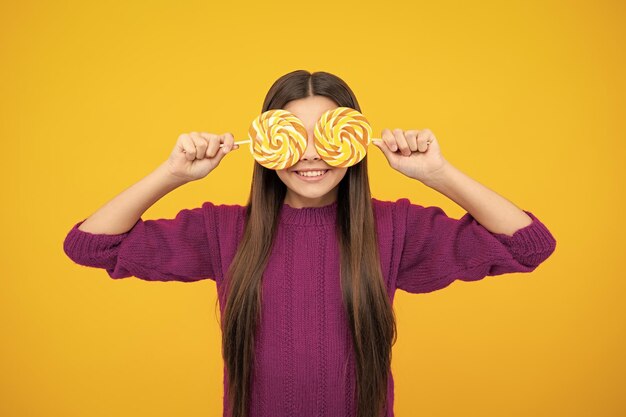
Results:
x,y
415,153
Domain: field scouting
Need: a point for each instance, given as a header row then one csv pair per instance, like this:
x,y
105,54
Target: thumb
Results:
x,y
380,144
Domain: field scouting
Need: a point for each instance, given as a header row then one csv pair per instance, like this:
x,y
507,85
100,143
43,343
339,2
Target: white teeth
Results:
x,y
310,173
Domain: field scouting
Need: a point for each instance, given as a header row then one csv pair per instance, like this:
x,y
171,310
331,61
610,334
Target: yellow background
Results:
x,y
525,97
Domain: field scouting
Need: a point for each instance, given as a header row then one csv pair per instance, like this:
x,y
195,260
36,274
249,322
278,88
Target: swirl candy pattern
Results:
x,y
278,139
342,136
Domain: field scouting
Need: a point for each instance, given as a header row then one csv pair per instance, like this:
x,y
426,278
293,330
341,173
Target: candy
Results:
x,y
278,138
342,136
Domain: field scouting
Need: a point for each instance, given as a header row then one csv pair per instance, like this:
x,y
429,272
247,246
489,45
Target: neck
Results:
x,y
297,201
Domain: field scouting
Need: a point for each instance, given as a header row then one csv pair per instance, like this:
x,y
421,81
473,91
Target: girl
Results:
x,y
306,271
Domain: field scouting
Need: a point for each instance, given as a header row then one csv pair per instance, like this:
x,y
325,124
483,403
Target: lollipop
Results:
x,y
342,136
278,138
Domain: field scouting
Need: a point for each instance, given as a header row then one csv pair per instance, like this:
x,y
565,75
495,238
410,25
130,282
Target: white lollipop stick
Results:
x,y
237,143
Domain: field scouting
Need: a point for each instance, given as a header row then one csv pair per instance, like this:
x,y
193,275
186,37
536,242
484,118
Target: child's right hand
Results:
x,y
195,154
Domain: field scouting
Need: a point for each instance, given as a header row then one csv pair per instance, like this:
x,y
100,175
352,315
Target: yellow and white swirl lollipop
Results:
x,y
342,136
277,139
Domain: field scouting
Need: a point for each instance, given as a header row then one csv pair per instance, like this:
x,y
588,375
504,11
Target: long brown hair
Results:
x,y
371,316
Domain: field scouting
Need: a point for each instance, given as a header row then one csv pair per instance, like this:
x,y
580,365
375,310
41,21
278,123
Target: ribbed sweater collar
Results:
x,y
309,215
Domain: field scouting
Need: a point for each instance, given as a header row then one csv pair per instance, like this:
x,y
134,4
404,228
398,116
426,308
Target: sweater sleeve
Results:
x,y
154,250
439,250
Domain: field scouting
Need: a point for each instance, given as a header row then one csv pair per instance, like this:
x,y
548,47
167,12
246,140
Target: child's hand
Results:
x,y
195,154
415,153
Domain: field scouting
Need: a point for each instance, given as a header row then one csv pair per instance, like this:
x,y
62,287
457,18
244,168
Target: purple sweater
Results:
x,y
304,349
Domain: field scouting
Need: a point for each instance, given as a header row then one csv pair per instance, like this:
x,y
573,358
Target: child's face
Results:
x,y
311,191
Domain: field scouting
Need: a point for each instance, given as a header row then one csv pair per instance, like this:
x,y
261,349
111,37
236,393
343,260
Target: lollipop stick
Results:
x,y
237,143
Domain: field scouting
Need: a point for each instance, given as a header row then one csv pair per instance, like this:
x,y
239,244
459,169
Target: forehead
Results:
x,y
309,109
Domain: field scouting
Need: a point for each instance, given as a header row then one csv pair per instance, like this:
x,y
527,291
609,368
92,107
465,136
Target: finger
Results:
x,y
210,138
387,136
423,140
213,145
382,145
197,141
229,141
401,141
201,145
411,139
188,147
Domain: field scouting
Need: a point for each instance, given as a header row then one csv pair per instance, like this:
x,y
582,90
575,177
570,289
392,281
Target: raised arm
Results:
x,y
117,239
122,212
494,237
490,209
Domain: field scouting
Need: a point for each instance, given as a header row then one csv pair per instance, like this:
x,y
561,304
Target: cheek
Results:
x,y
282,175
340,173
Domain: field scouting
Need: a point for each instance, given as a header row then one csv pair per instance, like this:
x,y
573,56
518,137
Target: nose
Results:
x,y
310,153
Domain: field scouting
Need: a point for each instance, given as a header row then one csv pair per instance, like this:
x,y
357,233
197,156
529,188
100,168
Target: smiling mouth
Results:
x,y
311,175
